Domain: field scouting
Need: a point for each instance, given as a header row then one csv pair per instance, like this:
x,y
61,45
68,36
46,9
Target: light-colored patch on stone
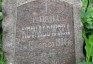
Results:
x,y
21,2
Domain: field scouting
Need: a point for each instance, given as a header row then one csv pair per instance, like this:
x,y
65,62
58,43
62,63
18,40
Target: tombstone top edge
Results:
x,y
21,2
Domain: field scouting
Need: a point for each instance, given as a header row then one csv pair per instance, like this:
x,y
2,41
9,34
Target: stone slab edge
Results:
x,y
9,8
77,7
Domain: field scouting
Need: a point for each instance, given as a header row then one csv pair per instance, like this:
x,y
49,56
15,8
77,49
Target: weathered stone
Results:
x,y
42,31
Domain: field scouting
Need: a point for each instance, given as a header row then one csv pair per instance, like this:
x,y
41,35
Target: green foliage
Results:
x,y
2,58
83,62
89,46
87,31
87,18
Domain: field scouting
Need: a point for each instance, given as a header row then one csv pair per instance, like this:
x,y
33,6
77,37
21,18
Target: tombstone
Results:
x,y
42,31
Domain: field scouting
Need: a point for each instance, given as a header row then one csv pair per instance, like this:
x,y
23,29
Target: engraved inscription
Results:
x,y
45,30
44,33
48,19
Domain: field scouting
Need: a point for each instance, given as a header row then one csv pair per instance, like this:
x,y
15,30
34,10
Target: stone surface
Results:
x,y
42,31
45,33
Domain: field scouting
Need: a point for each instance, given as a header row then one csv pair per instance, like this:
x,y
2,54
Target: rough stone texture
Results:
x,y
45,33
78,31
21,2
9,29
10,10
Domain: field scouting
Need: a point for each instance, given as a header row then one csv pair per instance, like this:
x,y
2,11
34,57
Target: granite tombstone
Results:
x,y
42,32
